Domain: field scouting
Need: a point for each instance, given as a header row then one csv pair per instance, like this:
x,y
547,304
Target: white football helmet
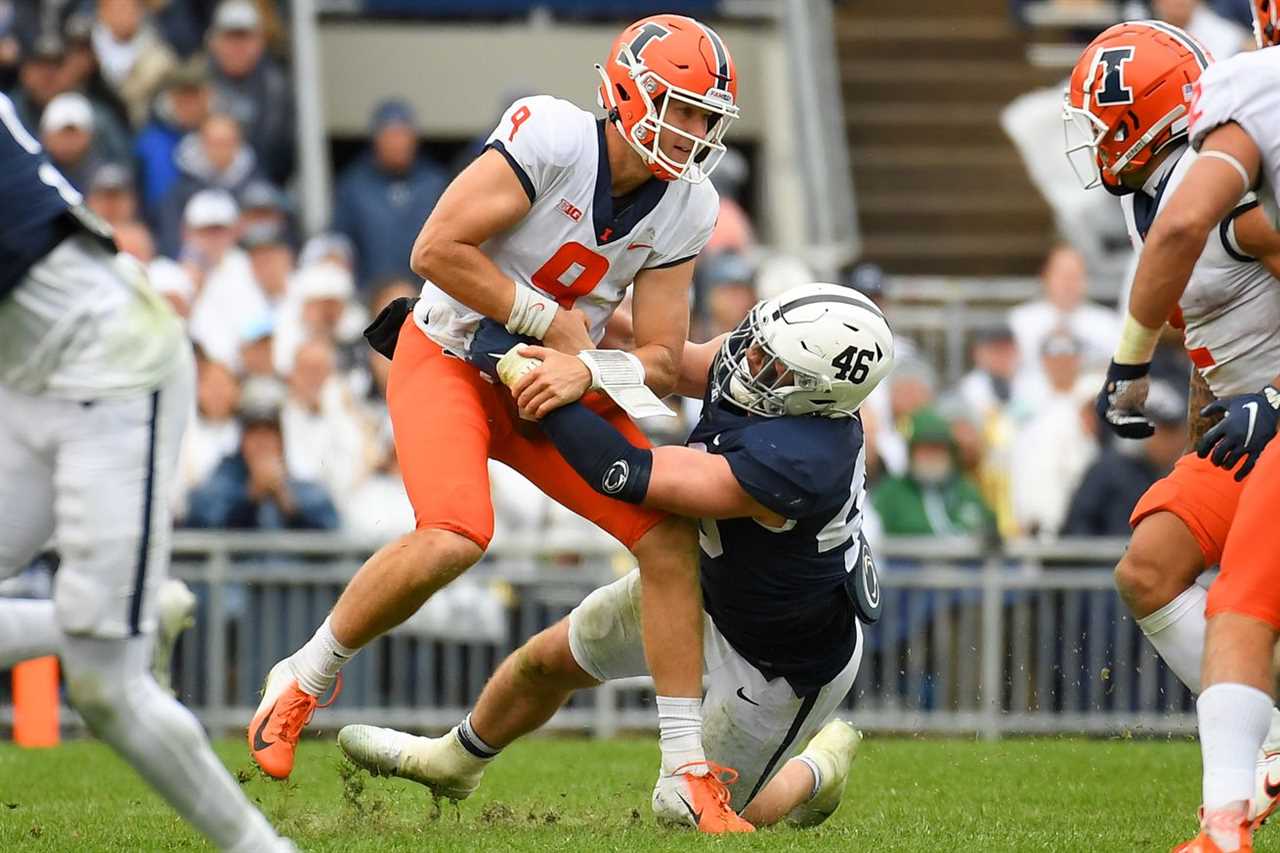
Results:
x,y
817,349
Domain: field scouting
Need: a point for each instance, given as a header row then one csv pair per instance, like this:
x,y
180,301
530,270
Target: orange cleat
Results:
x,y
1226,822
283,712
685,799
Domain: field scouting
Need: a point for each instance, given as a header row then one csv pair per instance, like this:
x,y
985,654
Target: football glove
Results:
x,y
1248,423
1119,403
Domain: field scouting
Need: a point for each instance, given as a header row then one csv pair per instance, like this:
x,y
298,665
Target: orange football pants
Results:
x,y
449,420
1249,583
1202,495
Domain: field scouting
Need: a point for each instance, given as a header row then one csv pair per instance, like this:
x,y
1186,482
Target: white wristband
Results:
x,y
531,313
1137,342
611,368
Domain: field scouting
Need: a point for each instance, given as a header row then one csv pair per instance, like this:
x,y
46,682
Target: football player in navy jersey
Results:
x,y
775,471
96,380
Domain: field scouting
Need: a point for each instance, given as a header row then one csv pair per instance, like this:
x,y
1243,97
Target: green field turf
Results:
x,y
564,794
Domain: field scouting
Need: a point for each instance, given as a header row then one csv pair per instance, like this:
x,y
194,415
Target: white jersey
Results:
x,y
1231,306
86,325
577,244
1245,89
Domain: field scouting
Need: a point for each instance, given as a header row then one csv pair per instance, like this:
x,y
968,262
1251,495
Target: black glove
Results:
x,y
1119,403
490,343
1248,423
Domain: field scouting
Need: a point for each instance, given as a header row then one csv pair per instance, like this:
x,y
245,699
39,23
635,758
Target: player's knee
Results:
x,y
1163,559
442,554
670,546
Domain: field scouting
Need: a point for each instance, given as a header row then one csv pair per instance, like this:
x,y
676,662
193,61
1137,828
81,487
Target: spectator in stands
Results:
x,y
214,157
932,498
729,292
1110,489
1223,37
111,194
321,307
10,48
1064,306
251,87
256,347
253,488
325,435
383,198
81,72
733,231
66,132
226,295
39,79
329,247
214,432
132,56
378,507
180,108
984,396
271,260
1052,449
263,204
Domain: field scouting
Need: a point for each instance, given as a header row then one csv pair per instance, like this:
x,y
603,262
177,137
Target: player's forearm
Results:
x,y
1163,271
695,367
464,272
661,368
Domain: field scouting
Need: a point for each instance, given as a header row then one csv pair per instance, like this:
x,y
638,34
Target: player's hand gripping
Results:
x,y
559,380
568,332
1119,403
1248,423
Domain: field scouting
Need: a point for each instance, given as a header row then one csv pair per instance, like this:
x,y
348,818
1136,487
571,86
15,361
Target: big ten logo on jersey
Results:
x,y
569,209
572,272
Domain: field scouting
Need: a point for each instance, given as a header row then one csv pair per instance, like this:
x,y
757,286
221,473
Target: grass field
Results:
x,y
554,794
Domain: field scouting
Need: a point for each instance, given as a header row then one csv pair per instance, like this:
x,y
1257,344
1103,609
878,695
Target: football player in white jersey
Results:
x,y
775,468
1229,311
544,232
1233,121
96,381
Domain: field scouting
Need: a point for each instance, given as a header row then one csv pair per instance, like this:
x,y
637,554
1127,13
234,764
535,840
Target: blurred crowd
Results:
x,y
176,122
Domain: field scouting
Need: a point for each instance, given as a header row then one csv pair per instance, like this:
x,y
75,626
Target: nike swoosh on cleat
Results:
x,y
258,742
697,816
743,697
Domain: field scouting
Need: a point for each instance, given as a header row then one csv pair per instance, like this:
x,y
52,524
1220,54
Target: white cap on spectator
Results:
x,y
324,280
210,208
70,109
236,16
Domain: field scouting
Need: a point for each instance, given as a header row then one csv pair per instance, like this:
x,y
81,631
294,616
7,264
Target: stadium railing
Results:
x,y
975,638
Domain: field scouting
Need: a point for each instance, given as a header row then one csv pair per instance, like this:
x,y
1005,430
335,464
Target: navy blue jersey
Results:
x,y
778,595
36,202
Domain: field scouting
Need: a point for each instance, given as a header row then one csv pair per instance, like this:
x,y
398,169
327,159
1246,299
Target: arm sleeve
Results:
x,y
540,138
786,465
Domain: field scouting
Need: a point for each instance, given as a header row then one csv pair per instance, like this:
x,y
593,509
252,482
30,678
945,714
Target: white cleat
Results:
x,y
442,764
176,612
833,750
1266,793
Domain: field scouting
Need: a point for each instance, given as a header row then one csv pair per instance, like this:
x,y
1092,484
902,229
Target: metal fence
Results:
x,y
973,639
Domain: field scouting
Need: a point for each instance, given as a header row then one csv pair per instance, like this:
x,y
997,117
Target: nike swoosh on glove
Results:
x,y
1119,403
1248,422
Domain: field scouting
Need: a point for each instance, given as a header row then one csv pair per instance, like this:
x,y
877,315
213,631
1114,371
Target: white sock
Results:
x,y
1233,722
472,742
318,662
814,769
28,629
1177,632
110,683
680,734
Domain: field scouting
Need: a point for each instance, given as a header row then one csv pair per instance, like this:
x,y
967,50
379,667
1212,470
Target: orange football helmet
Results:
x,y
667,58
1128,99
1266,23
